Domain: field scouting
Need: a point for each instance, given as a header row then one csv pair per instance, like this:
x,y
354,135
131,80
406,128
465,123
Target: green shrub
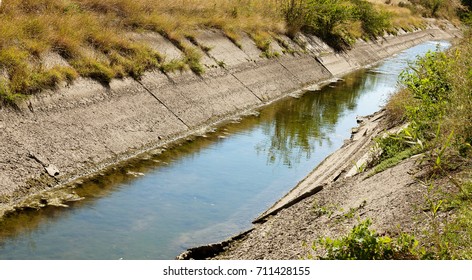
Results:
x,y
374,22
440,112
365,244
335,21
433,6
324,15
429,83
294,12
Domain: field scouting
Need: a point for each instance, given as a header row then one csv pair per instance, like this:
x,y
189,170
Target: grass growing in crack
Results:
x,y
173,65
287,49
221,63
192,59
263,42
361,168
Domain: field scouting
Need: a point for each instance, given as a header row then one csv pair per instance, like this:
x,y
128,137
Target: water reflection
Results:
x,y
299,126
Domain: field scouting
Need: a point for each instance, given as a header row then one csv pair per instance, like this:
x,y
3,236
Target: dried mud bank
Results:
x,y
59,136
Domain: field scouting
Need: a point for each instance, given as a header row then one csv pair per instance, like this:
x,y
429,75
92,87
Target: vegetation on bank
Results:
x,y
436,102
95,37
338,22
362,243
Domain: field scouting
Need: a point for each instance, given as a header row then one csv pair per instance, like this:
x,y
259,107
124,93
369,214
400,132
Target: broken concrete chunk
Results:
x,y
56,201
52,170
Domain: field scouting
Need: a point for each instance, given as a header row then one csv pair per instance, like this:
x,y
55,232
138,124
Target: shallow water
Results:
x,y
207,189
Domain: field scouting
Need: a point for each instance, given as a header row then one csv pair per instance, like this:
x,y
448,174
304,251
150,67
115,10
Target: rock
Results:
x,y
52,170
360,119
135,174
56,201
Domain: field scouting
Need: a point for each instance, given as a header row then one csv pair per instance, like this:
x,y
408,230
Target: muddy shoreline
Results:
x,y
78,131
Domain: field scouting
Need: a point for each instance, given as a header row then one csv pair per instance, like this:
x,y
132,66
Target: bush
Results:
x,y
294,12
374,22
335,20
429,83
364,244
325,15
438,88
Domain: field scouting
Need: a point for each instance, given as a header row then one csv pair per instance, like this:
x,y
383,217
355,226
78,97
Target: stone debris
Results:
x,y
52,170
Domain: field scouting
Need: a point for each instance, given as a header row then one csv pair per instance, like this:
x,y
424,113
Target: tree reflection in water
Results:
x,y
298,126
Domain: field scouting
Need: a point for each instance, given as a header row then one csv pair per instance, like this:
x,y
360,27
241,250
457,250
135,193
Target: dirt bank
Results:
x,y
59,136
390,199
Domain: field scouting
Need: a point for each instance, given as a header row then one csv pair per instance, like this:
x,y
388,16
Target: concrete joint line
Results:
x,y
295,77
163,104
247,88
320,61
317,189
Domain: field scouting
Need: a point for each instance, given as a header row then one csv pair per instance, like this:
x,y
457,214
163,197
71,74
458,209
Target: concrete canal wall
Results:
x,y
61,135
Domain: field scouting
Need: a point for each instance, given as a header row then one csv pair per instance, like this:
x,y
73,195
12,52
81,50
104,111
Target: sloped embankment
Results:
x,y
61,135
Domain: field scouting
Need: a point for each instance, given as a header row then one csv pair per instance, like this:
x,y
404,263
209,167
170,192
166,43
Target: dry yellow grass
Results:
x,y
88,34
404,18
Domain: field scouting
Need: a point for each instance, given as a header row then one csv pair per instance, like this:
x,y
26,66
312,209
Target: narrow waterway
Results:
x,y
208,189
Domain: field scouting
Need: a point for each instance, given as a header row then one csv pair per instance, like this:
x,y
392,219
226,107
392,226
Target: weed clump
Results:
x,y
436,102
362,243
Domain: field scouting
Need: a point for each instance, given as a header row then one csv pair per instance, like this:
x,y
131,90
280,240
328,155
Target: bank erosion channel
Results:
x,y
208,189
